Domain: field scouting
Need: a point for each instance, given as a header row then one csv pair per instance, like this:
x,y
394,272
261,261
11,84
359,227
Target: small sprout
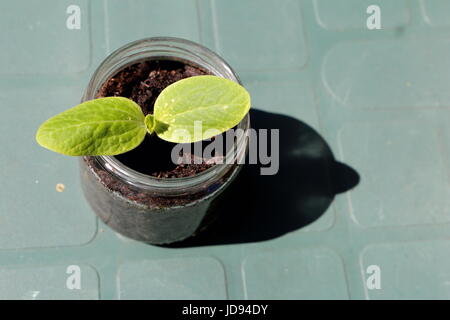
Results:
x,y
114,125
150,123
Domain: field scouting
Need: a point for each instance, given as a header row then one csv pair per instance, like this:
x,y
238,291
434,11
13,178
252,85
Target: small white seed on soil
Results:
x,y
60,187
37,181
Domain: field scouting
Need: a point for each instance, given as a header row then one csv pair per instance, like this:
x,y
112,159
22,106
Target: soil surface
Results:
x,y
143,82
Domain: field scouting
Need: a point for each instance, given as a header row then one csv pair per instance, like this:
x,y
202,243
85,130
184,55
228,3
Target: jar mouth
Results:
x,y
168,48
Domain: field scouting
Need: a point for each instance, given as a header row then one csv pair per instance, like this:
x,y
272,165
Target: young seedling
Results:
x,y
189,110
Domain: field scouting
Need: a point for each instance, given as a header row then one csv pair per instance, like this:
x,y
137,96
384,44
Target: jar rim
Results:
x,y
174,48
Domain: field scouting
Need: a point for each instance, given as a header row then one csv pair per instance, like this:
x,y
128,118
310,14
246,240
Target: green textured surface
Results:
x,y
379,98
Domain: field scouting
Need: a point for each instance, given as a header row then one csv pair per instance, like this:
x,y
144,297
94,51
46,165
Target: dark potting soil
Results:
x,y
143,82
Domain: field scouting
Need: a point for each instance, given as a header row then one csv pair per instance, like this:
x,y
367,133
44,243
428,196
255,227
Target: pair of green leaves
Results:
x,y
189,110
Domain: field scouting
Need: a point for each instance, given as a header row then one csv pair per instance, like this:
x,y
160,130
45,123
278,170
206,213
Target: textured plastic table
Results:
x,y
380,99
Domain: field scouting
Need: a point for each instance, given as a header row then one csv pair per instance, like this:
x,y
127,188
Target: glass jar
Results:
x,y
142,207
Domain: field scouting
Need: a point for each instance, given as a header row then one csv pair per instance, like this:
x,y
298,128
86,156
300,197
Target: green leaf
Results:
x,y
150,123
105,126
199,108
